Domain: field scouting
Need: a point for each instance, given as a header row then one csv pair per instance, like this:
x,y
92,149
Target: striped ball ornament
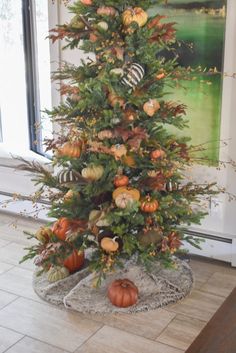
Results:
x,y
67,176
172,186
133,74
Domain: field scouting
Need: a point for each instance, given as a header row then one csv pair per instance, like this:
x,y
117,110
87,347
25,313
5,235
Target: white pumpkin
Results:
x,y
103,25
105,134
123,200
93,172
57,273
98,218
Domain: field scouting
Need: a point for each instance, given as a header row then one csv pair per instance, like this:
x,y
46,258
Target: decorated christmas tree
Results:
x,y
119,189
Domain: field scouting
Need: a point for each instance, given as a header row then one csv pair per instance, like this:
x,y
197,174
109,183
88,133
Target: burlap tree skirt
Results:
x,y
157,288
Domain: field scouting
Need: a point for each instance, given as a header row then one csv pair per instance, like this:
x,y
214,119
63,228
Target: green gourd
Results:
x,y
57,273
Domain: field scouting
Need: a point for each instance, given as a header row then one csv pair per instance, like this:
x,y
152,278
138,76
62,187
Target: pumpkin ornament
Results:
x,y
57,273
126,190
105,134
102,26
133,74
121,180
109,244
61,227
77,23
157,154
93,172
151,107
130,115
148,205
123,293
136,14
68,176
75,261
65,225
87,2
118,72
115,100
70,195
44,234
123,200
70,149
107,11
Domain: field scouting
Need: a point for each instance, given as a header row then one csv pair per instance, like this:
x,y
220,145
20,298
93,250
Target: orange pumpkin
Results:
x,y
123,293
151,107
130,115
115,100
71,149
109,244
137,14
121,180
106,11
126,190
75,261
156,154
63,225
93,38
149,206
87,2
160,76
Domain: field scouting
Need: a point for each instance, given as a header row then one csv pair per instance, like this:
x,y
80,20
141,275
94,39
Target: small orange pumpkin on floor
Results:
x,y
123,293
75,261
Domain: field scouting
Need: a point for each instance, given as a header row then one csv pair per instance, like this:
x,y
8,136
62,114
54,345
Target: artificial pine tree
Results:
x,y
120,189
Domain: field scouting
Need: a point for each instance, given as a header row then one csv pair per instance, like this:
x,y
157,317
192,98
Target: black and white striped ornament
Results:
x,y
172,186
133,74
67,176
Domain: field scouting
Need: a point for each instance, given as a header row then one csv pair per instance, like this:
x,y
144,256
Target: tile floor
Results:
x,y
29,325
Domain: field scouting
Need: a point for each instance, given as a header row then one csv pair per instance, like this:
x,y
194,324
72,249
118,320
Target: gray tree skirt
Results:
x,y
157,288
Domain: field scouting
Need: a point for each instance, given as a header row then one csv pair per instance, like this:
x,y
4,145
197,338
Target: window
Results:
x,y
25,87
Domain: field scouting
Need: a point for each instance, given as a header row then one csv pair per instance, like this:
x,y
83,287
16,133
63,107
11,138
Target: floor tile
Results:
x,y
112,340
220,284
3,242
5,267
6,298
15,236
13,253
211,266
201,273
65,330
19,282
139,323
181,332
199,305
8,338
29,345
